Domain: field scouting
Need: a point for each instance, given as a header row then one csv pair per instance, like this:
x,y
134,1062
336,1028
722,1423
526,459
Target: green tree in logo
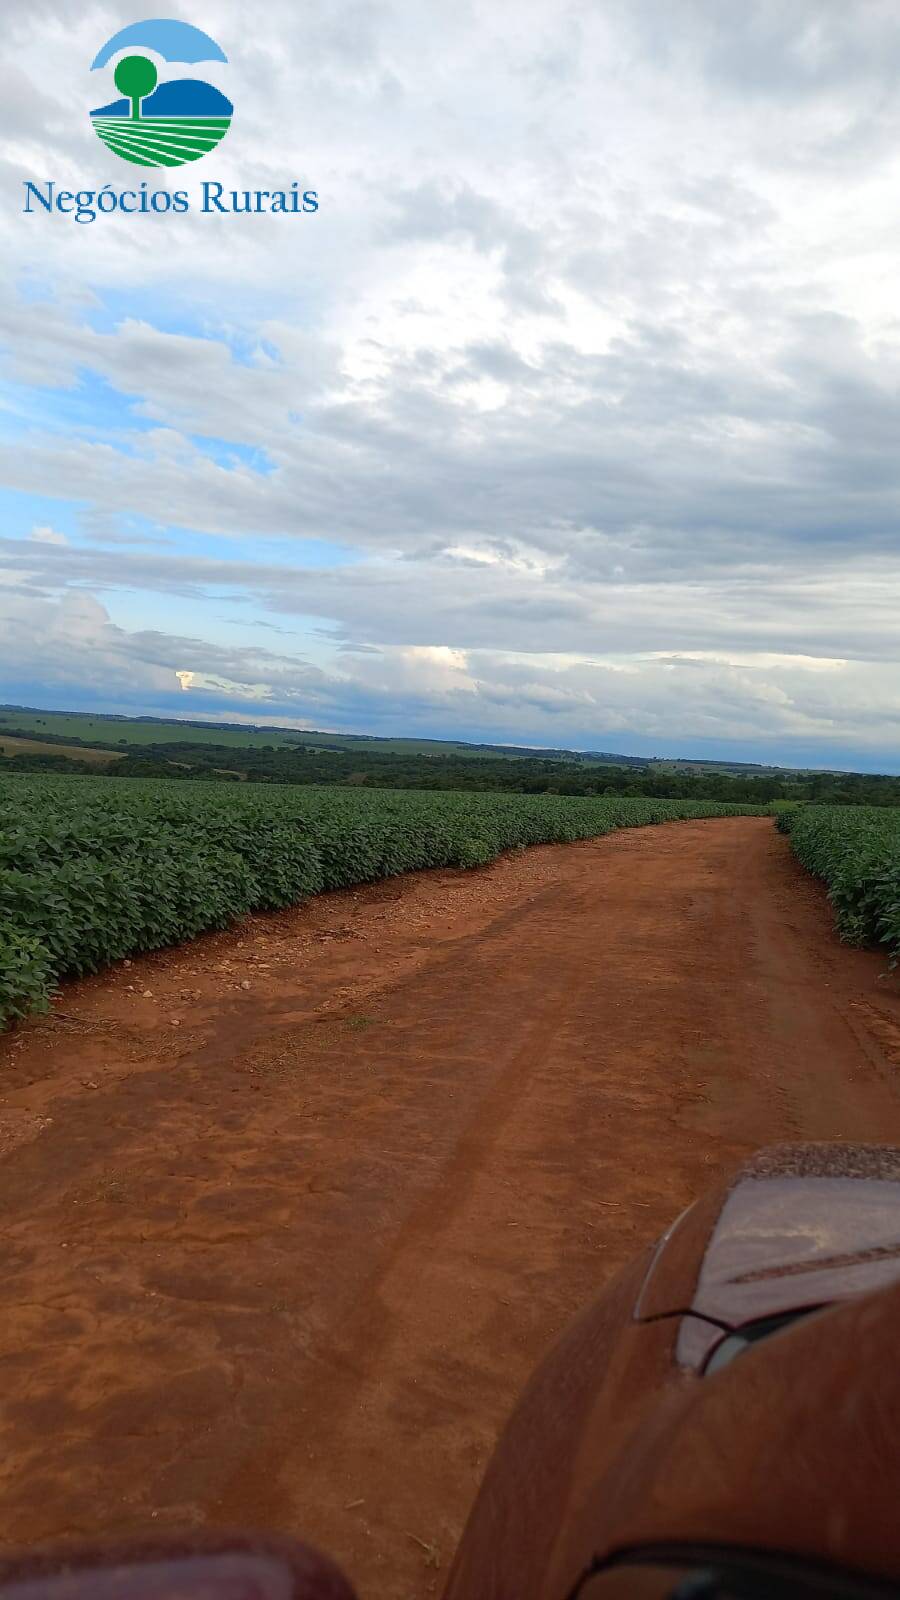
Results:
x,y
135,77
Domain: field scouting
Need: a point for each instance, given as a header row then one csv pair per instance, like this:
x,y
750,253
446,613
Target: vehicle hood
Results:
x,y
802,1226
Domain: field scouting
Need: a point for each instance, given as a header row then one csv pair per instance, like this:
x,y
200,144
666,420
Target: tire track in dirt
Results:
x,y
368,1325
289,1262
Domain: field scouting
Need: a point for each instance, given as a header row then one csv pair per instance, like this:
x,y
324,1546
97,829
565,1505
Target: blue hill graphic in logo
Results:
x,y
161,124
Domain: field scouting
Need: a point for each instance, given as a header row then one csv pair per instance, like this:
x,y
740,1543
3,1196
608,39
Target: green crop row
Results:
x,y
856,850
91,872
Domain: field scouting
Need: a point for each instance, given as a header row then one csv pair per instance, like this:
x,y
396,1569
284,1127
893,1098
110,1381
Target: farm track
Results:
x,y
284,1256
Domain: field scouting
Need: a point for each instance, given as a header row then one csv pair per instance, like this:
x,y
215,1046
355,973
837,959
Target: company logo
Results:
x,y
168,123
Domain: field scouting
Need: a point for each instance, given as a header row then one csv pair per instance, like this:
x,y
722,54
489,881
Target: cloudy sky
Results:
x,y
570,418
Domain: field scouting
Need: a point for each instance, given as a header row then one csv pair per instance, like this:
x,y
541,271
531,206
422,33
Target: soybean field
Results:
x,y
856,851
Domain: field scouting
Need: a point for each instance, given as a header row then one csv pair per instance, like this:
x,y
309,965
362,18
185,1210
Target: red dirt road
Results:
x,y
284,1255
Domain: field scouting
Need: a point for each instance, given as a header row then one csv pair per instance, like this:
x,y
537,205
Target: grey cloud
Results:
x,y
440,210
850,613
404,690
648,443
769,49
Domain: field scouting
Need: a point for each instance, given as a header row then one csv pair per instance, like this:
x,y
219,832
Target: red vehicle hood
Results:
x,y
800,1227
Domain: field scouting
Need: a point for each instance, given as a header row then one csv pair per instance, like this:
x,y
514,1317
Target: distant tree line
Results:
x,y
180,759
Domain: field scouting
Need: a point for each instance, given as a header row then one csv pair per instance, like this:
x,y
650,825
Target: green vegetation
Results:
x,y
135,77
77,727
80,726
29,749
191,751
856,850
291,755
91,871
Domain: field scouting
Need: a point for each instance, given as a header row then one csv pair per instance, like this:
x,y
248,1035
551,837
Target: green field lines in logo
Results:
x,y
164,142
161,123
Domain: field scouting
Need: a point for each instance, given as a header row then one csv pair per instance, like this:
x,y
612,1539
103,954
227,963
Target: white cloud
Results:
x,y
42,533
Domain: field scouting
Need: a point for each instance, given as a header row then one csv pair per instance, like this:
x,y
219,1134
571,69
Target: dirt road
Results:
x,y
283,1255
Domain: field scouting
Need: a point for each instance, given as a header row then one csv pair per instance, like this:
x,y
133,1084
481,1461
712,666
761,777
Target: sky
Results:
x,y
570,418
